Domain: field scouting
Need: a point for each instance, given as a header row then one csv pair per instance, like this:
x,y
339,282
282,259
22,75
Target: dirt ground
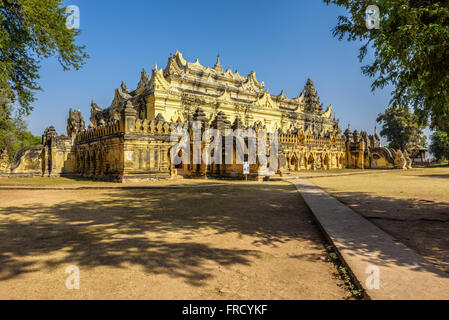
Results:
x,y
241,241
57,182
413,206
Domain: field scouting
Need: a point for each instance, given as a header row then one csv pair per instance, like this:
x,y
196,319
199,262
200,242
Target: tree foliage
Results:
x,y
13,132
31,30
411,52
439,145
402,129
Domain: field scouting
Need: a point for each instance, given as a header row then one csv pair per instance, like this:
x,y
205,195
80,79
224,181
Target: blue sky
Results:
x,y
284,42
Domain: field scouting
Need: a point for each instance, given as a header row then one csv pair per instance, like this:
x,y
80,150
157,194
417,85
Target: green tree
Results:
x,y
402,129
411,52
13,132
31,30
439,145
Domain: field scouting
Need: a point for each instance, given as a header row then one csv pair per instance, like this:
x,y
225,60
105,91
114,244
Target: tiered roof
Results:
x,y
182,76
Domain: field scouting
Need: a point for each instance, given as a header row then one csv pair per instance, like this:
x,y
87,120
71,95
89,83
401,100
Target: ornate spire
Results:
x,y
200,115
124,87
281,95
348,132
180,58
238,124
311,99
218,66
144,79
75,123
221,121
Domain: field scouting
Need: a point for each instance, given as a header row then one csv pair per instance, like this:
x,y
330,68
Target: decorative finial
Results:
x,y
123,86
218,64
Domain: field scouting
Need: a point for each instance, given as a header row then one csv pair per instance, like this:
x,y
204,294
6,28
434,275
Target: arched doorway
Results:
x,y
326,162
341,161
311,162
294,162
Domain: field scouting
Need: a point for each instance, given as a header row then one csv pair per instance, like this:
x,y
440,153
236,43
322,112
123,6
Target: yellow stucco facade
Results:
x,y
131,138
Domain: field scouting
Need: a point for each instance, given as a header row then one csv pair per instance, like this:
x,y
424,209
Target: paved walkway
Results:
x,y
403,274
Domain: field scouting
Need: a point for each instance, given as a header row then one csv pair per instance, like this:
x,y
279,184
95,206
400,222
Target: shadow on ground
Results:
x,y
422,225
121,227
440,176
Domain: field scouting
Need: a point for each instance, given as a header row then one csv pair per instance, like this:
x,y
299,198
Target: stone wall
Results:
x,y
27,162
